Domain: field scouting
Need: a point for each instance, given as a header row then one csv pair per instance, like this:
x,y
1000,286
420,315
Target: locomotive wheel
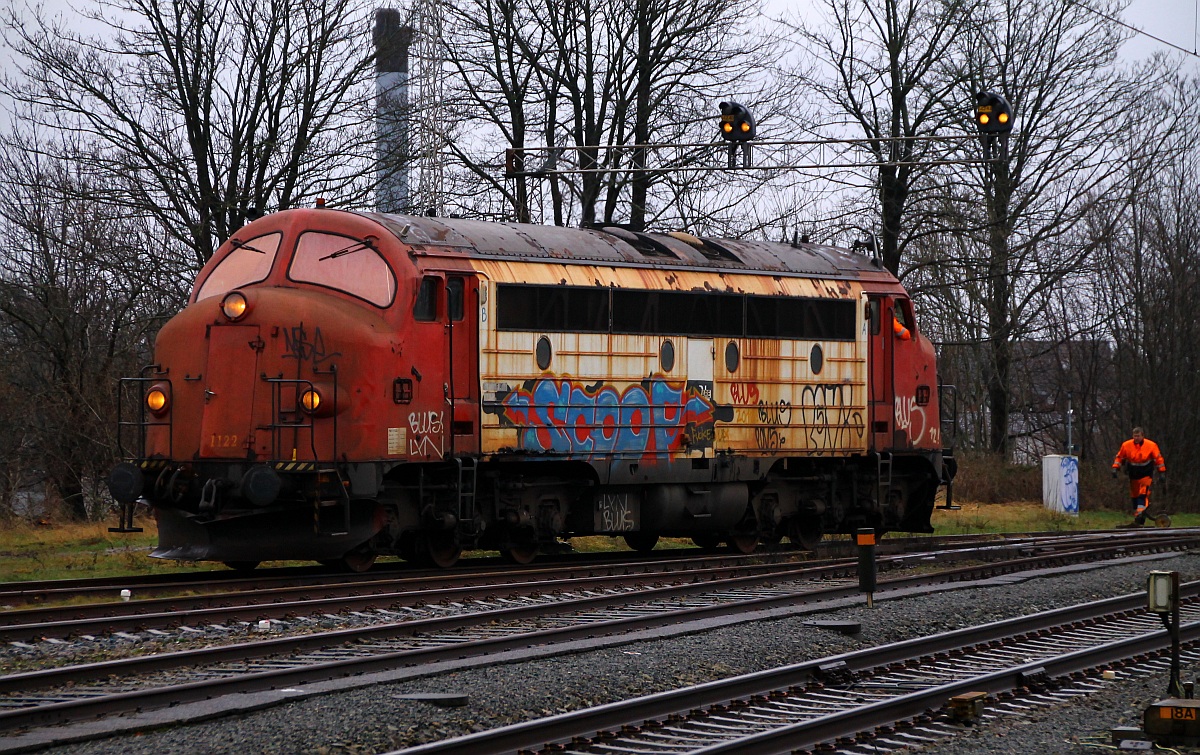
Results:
x,y
744,544
442,550
641,542
520,554
242,565
355,561
806,534
707,542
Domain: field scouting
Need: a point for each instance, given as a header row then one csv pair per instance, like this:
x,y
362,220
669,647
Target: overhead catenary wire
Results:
x,y
1193,52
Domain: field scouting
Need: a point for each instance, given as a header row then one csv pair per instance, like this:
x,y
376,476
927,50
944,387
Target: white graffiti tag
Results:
x,y
910,417
425,434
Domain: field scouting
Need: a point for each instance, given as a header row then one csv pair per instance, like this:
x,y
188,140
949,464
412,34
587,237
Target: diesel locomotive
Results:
x,y
344,385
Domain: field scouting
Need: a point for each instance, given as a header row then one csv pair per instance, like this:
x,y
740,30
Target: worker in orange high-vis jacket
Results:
x,y
1140,457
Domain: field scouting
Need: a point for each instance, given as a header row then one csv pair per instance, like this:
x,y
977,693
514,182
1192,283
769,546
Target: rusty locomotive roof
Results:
x,y
618,246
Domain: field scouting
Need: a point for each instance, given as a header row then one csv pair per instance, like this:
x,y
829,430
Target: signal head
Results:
x,y
993,114
737,124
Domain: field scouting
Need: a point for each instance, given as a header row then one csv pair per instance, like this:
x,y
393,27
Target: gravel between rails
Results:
x,y
378,719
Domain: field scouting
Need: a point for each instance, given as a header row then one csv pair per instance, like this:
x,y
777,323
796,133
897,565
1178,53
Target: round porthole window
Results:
x,y
732,357
816,359
542,353
666,356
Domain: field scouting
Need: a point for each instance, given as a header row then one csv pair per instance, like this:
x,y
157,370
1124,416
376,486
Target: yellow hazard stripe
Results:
x,y
295,466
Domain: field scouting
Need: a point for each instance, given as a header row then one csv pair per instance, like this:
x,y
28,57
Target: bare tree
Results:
x,y
81,293
1149,275
1021,209
587,76
886,72
210,110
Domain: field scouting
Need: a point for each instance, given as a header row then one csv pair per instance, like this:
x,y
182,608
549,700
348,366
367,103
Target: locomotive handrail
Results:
x,y
948,399
307,421
142,423
948,404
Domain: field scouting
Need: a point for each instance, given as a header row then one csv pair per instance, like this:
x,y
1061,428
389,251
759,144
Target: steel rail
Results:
x,y
787,739
96,618
60,712
562,728
684,558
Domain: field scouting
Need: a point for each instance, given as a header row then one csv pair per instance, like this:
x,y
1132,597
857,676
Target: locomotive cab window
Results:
x,y
872,315
249,261
353,266
904,314
426,306
454,298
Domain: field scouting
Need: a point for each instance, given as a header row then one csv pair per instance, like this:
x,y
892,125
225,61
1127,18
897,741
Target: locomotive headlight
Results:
x,y
310,401
156,400
234,305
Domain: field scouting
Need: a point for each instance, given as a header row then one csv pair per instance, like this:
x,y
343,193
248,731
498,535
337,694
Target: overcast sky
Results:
x,y
1173,21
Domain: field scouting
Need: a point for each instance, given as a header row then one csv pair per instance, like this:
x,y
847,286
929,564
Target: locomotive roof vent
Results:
x,y
640,241
707,247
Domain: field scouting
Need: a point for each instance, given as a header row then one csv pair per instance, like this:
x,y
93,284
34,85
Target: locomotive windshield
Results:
x,y
351,265
248,262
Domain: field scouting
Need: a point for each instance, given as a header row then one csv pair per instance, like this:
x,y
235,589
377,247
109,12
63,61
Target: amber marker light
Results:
x,y
234,305
156,400
310,400
983,119
1003,117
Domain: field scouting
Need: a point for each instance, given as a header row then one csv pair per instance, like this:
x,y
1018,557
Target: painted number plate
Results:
x,y
1178,714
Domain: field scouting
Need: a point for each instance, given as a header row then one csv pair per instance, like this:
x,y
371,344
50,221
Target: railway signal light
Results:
x,y
993,114
994,120
737,124
737,128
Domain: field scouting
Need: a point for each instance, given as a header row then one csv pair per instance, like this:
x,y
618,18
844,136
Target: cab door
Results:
x,y
898,394
880,351
425,435
462,352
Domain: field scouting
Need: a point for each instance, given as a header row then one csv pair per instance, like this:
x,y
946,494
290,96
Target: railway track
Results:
x,y
881,699
322,594
14,595
58,695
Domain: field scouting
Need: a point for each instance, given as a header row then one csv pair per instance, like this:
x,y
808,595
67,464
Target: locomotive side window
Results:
x,y
248,262
346,264
677,312
579,310
682,313
425,309
814,319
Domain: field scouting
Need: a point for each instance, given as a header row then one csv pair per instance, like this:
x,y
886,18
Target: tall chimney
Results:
x,y
393,142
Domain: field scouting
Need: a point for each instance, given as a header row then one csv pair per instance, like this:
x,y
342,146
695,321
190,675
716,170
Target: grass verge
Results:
x,y
31,551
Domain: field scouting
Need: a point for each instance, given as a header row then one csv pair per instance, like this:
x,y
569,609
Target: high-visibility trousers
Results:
x,y
1139,493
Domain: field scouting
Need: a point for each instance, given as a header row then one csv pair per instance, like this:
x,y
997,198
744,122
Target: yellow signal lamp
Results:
x,y
993,114
727,127
234,306
310,401
157,401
